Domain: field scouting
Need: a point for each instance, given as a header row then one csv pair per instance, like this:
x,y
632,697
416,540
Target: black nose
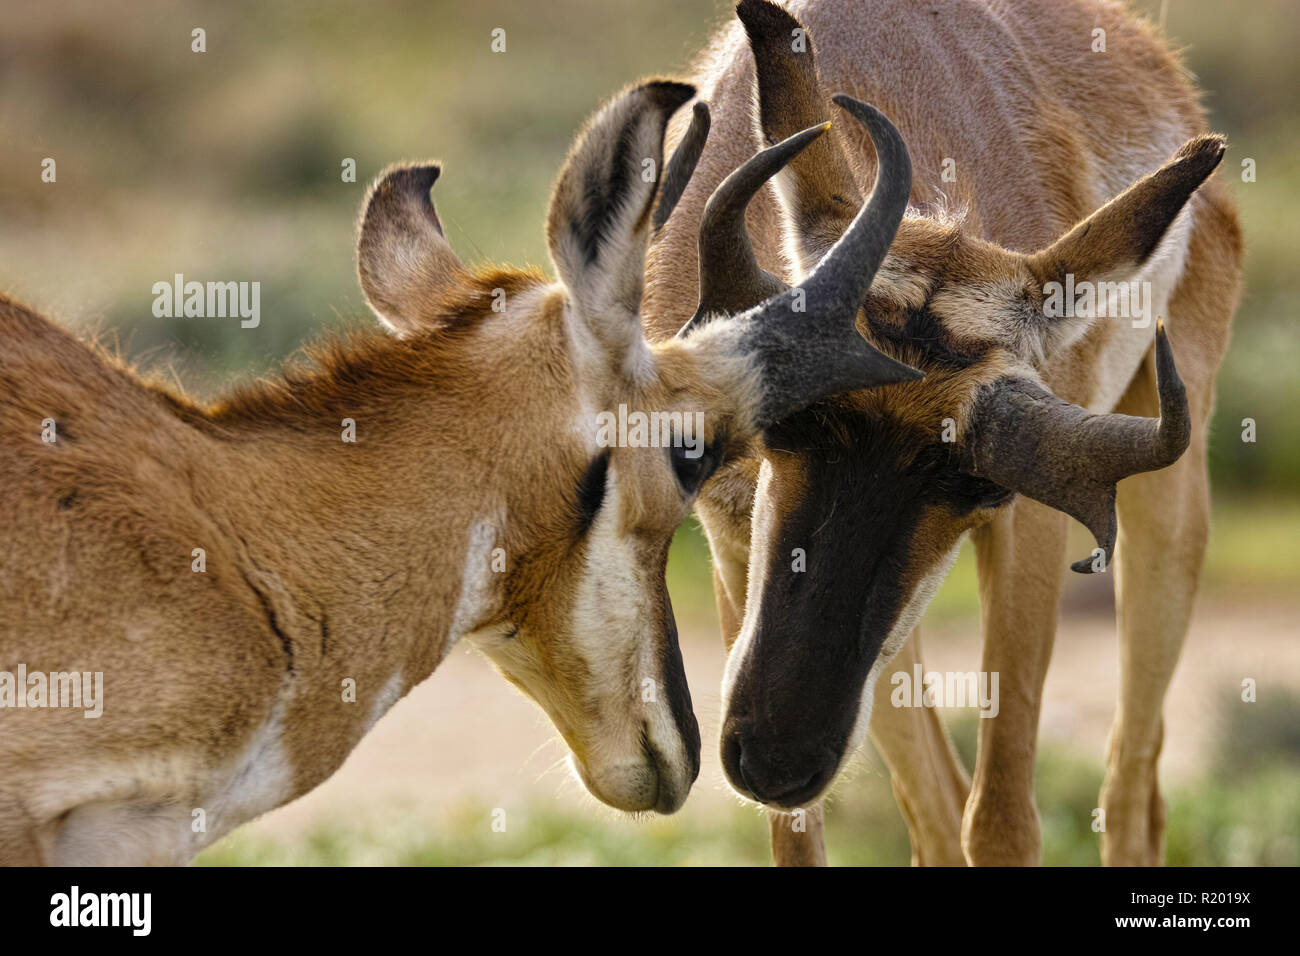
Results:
x,y
779,774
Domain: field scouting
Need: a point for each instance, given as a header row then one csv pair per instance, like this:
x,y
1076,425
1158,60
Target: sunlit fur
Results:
x,y
452,516
1042,132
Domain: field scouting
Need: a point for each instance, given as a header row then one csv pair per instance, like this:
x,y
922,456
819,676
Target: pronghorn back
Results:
x,y
1041,129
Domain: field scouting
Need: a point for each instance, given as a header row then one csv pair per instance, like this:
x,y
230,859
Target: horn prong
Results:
x,y
1174,432
731,279
804,358
682,165
841,280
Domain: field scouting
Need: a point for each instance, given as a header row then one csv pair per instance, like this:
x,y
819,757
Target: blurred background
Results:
x,y
226,165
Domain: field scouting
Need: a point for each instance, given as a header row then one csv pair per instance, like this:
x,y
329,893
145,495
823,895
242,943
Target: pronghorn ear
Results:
x,y
600,217
1112,246
817,191
403,258
1116,241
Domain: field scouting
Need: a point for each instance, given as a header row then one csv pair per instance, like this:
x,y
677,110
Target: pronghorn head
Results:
x,y
598,440
862,499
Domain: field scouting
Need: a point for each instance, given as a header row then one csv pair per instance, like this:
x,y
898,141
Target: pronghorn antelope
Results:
x,y
1062,174
476,502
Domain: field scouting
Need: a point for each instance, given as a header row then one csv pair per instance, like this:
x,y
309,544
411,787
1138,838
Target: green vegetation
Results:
x,y
1231,818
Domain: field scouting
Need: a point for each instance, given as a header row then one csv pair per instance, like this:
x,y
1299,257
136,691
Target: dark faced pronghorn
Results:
x,y
1062,175
233,570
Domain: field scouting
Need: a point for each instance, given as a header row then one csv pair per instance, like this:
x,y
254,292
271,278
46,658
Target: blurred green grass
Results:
x,y
1229,818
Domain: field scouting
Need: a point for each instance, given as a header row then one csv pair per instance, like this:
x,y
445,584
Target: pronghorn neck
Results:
x,y
353,569
364,506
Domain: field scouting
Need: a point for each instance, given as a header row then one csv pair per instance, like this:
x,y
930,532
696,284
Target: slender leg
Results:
x,y
930,784
798,840
1019,556
1163,529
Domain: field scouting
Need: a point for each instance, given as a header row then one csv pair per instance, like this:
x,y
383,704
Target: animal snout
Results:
x,y
674,777
656,776
781,774
652,782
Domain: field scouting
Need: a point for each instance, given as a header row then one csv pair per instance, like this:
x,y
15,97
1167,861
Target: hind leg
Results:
x,y
1163,529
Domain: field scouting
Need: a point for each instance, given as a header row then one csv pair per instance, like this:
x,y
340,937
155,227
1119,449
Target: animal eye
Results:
x,y
692,470
591,490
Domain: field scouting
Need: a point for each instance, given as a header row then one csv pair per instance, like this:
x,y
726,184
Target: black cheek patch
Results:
x,y
924,332
591,491
675,686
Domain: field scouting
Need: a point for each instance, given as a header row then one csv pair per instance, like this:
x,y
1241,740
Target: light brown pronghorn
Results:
x,y
1040,132
233,571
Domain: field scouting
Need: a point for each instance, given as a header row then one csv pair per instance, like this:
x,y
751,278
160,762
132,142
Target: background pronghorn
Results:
x,y
1042,132
476,502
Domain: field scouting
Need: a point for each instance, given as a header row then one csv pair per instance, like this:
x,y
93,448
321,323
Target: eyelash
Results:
x,y
692,472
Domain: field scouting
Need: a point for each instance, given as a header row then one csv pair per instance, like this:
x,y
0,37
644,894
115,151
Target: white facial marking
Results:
x,y
986,312
759,560
609,613
614,631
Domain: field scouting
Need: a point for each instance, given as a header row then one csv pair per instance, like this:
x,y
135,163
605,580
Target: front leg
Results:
x,y
1019,555
930,784
798,839
1164,525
